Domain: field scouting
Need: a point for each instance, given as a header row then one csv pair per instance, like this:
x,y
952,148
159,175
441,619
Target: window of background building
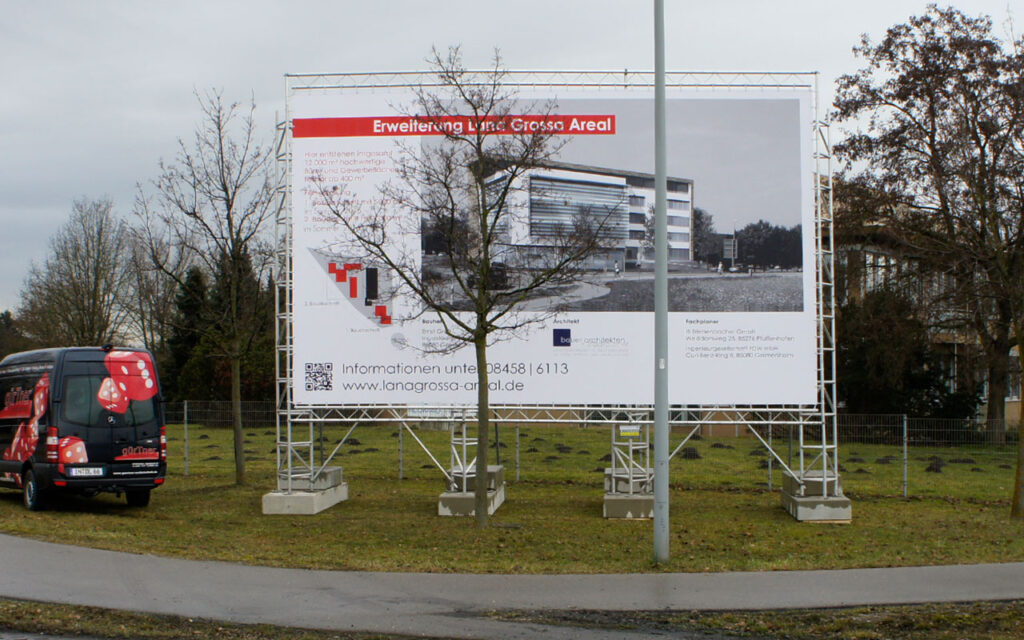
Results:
x,y
640,183
1013,382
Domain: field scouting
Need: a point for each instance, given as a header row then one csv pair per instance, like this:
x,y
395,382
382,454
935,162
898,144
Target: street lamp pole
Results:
x,y
661,536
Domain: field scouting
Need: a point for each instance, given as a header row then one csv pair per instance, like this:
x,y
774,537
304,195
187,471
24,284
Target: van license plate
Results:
x,y
88,472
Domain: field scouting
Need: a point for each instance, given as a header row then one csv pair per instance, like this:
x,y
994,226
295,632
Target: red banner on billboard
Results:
x,y
456,125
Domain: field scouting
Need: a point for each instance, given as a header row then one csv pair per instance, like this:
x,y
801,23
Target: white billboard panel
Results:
x,y
740,336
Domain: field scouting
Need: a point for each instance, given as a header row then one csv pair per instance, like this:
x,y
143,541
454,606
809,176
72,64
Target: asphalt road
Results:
x,y
449,605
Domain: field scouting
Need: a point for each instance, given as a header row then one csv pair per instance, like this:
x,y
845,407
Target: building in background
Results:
x,y
871,257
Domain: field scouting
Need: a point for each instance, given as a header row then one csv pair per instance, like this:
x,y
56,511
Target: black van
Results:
x,y
82,419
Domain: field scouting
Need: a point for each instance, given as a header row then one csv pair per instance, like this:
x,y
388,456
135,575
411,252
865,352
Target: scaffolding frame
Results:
x,y
815,424
631,458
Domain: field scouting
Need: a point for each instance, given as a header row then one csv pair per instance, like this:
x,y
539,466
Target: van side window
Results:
x,y
16,398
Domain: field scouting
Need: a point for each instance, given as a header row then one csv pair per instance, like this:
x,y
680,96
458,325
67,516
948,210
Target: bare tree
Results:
x,y
466,193
943,147
211,204
77,296
152,290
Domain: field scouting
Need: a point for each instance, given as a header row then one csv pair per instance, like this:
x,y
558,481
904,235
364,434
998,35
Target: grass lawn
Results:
x,y
723,517
977,621
60,619
710,292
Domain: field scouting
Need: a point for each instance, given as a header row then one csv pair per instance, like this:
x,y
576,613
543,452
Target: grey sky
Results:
x,y
742,153
96,93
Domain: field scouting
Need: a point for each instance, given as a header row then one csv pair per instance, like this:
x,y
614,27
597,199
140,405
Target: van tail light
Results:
x,y
163,444
52,445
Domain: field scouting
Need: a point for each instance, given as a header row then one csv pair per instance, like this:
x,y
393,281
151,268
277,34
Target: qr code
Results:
x,y
319,376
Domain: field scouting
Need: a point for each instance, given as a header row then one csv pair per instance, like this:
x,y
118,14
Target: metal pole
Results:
x,y
661,535
401,466
497,444
186,437
789,455
517,453
905,452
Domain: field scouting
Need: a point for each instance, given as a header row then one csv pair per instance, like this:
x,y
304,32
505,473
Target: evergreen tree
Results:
x,y
886,361
11,338
182,379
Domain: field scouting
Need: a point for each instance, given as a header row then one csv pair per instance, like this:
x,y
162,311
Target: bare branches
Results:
x,y
943,140
452,226
82,293
210,206
217,195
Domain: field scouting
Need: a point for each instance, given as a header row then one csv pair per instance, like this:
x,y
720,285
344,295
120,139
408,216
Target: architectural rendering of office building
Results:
x,y
554,196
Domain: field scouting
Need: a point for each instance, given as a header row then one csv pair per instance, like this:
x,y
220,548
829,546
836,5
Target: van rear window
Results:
x,y
82,403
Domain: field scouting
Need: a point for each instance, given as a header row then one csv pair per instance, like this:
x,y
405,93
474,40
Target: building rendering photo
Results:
x,y
552,197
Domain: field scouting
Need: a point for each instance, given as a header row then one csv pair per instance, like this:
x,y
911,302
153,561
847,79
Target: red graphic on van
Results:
x,y
131,378
111,397
27,436
17,404
138,453
72,451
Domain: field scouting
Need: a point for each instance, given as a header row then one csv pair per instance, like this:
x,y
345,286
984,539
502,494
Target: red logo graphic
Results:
x,y
138,453
131,378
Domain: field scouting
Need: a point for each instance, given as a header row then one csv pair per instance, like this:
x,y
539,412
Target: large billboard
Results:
x,y
739,333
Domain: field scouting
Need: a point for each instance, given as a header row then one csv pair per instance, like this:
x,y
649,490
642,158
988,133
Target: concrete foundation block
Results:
x,y
821,499
495,479
329,478
303,503
622,480
636,506
463,503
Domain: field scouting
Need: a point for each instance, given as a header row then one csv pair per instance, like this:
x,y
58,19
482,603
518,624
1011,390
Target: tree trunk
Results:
x,y
998,379
236,418
1017,506
483,413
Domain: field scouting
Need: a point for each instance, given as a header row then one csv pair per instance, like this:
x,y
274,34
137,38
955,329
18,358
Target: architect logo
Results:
x,y
563,337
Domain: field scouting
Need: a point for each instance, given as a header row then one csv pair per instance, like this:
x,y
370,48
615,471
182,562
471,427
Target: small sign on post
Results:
x,y
629,431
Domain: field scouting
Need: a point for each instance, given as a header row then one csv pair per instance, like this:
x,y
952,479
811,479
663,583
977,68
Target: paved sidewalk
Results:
x,y
447,605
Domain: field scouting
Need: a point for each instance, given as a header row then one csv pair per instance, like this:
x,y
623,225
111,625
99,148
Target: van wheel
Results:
x,y
137,498
30,492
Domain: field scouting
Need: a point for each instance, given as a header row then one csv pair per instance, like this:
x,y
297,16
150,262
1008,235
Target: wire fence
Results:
x,y
928,432
217,414
879,455
966,458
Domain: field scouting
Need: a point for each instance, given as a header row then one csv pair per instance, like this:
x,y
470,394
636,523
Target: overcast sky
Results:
x,y
96,93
